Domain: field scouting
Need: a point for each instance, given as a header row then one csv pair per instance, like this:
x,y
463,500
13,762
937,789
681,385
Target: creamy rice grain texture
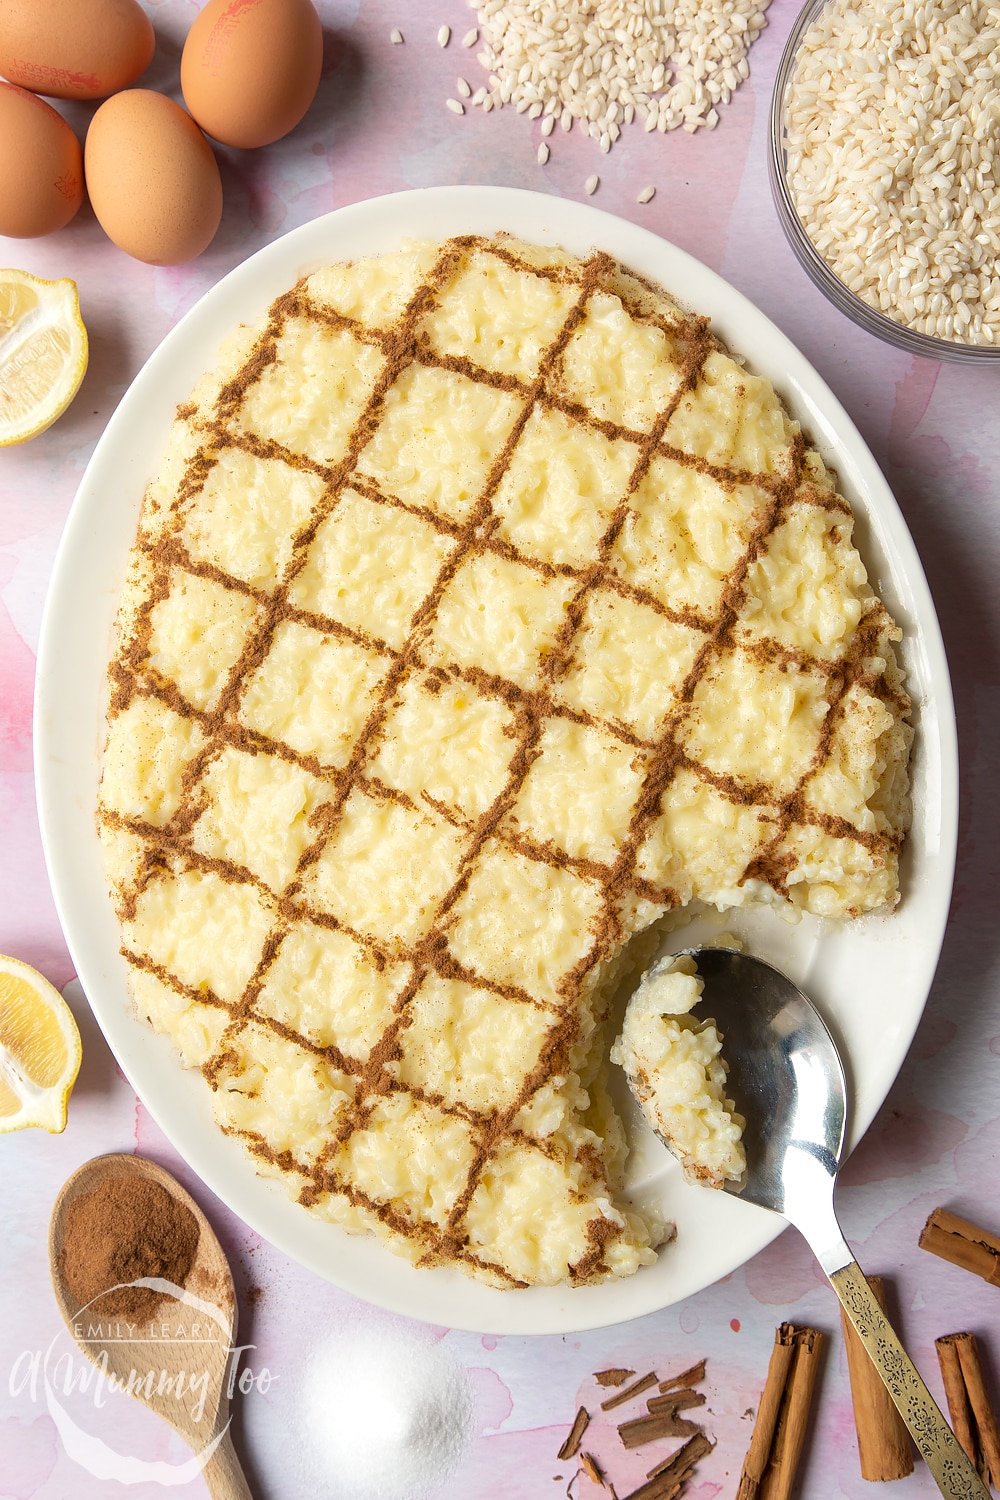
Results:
x,y
483,611
674,1062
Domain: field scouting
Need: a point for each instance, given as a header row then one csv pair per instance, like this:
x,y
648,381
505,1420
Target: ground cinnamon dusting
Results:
x,y
132,674
125,1228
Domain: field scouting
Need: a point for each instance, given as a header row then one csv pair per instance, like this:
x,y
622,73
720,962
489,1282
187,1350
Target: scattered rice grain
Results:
x,y
610,62
646,194
455,105
548,124
470,38
444,36
463,88
543,154
591,185
396,37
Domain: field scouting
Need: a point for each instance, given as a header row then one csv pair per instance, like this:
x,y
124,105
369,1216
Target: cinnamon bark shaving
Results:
x,y
657,1425
635,1389
686,1379
572,1444
668,1479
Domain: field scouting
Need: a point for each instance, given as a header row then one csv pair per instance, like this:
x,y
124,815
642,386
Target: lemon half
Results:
x,y
39,1050
43,353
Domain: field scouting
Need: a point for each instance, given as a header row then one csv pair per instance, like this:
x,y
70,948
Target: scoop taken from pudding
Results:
x,y
674,1063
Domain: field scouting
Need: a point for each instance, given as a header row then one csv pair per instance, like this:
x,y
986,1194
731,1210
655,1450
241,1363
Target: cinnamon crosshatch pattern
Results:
x,y
429,900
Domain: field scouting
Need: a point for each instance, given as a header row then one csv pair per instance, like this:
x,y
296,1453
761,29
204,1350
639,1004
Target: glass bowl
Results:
x,y
815,267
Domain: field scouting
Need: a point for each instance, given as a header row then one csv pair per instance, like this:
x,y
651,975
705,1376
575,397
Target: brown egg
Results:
x,y
41,166
153,178
74,49
250,68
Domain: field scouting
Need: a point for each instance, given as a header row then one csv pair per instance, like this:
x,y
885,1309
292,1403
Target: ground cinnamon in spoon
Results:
x,y
126,1227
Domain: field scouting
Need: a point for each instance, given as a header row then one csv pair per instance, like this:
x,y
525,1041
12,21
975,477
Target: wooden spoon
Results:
x,y
196,1342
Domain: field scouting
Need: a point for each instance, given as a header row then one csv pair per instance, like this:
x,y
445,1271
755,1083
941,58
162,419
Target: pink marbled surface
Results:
x,y
380,125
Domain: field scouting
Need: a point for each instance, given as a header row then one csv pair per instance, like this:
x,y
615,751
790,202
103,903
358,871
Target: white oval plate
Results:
x,y
871,978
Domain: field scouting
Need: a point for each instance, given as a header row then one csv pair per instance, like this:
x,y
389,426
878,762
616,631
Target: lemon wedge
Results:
x,y
43,353
39,1050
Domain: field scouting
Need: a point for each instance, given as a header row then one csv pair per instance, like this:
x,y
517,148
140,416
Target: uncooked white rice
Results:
x,y
605,63
646,194
463,88
591,185
894,158
543,153
444,36
456,106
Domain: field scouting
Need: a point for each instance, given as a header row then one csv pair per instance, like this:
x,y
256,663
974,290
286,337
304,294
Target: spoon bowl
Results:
x,y
785,1074
787,1080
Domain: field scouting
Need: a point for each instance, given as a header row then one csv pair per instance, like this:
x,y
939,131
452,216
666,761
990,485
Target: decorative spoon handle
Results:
x,y
956,1478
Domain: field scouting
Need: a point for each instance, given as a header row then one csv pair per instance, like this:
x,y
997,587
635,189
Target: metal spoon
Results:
x,y
787,1078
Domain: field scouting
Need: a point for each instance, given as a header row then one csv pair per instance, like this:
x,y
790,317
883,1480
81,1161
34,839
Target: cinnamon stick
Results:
x,y
963,1244
884,1446
575,1435
957,1397
780,1429
982,1411
968,1403
613,1377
